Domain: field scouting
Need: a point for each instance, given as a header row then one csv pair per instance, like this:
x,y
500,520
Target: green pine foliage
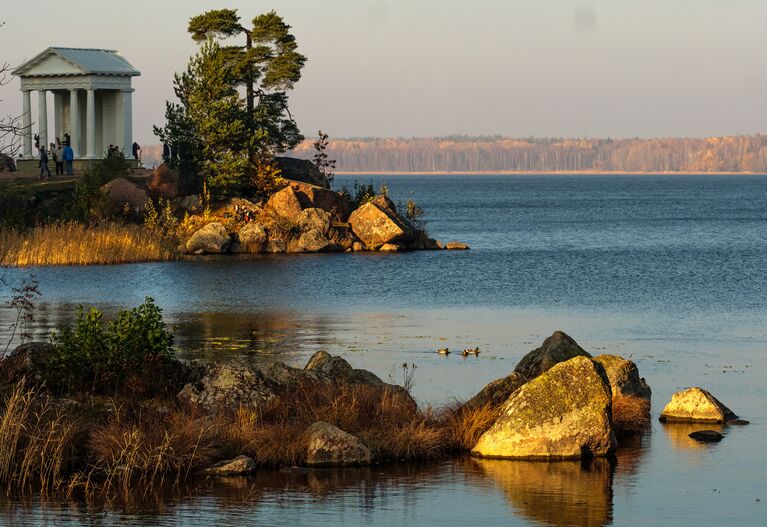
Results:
x,y
216,134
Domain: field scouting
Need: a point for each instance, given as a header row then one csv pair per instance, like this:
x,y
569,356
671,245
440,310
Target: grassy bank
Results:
x,y
71,243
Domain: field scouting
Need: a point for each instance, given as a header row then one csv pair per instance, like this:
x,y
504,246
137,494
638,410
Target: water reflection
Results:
x,y
679,435
557,493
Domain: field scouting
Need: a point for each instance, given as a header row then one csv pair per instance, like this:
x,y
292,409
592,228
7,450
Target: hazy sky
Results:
x,y
617,68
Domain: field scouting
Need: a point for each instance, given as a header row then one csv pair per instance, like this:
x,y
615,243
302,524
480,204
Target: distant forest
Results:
x,y
497,154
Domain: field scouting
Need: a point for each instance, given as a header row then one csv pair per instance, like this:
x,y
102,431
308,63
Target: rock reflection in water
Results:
x,y
679,435
556,493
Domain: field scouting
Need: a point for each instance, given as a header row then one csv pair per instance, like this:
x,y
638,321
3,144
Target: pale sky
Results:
x,y
546,68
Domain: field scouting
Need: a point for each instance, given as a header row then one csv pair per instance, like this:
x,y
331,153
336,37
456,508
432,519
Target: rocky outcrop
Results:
x,y
624,377
328,445
229,386
211,239
252,239
706,436
121,192
559,347
239,466
562,414
301,170
390,248
696,405
335,203
376,226
314,219
163,182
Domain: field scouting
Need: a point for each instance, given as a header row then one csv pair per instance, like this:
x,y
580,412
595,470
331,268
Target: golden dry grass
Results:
x,y
76,244
464,424
631,415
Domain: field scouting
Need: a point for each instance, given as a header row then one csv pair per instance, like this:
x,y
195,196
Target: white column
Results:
x,y
42,118
58,117
74,121
26,124
90,126
127,116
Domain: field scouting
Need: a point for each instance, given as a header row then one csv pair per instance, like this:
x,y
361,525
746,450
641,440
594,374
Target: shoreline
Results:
x,y
541,173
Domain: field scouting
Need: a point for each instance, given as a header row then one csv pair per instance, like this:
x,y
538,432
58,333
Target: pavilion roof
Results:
x,y
90,61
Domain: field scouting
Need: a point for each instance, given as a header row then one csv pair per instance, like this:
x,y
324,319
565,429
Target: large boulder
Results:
x,y
559,347
211,239
624,377
314,218
252,238
332,202
239,466
338,369
121,192
301,170
227,386
7,163
287,204
163,182
696,405
565,413
376,226
328,445
314,241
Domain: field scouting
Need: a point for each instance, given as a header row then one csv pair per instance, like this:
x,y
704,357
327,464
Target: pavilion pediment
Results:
x,y
51,65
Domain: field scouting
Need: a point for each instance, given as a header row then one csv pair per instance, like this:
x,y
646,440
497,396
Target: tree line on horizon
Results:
x,y
496,153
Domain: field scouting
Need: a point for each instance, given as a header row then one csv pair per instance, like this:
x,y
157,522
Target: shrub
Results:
x,y
359,195
134,351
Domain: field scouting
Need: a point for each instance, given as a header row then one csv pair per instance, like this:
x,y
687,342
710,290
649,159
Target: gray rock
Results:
x,y
252,238
225,385
211,239
191,203
314,219
328,445
239,466
559,347
314,241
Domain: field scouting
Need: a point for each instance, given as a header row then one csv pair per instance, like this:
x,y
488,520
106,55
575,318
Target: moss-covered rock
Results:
x,y
565,413
624,377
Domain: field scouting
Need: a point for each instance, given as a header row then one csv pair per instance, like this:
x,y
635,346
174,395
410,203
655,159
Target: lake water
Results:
x,y
670,271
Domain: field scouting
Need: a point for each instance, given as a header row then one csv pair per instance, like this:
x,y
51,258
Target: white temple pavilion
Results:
x,y
92,100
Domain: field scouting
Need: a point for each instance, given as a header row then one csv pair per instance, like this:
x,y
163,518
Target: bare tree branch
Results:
x,y
11,126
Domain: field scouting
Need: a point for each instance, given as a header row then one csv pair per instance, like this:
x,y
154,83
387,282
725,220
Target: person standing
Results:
x,y
58,157
136,150
44,164
69,155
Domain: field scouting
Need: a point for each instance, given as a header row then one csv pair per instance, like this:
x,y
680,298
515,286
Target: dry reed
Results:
x,y
465,424
631,415
72,243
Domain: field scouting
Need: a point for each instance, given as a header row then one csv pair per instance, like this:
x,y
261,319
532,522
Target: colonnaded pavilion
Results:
x,y
92,101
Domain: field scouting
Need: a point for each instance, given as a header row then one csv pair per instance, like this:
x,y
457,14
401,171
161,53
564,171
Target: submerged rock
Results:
x,y
239,466
564,413
706,436
559,347
328,445
390,248
696,405
456,246
211,239
624,377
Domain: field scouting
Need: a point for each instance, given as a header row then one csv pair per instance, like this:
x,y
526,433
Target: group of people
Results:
x,y
243,214
62,155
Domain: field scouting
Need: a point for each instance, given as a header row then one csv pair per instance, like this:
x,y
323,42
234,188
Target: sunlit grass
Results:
x,y
76,244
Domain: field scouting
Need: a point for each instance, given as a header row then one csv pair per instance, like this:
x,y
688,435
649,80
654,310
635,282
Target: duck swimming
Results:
x,y
444,351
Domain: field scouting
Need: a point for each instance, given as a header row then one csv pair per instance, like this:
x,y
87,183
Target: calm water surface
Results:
x,y
669,270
